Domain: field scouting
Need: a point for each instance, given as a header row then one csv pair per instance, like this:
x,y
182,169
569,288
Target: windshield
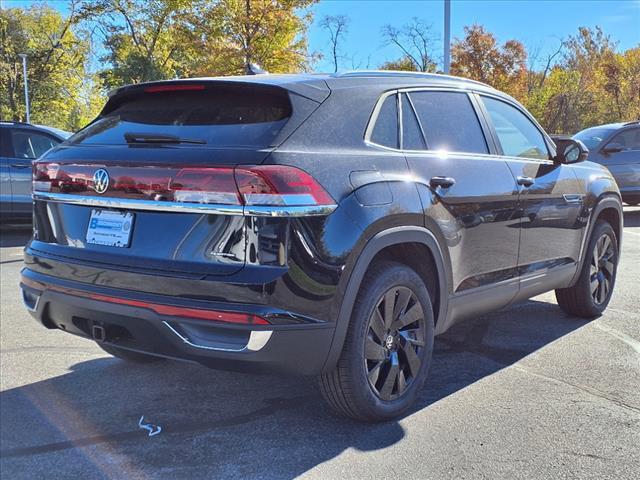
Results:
x,y
218,117
593,137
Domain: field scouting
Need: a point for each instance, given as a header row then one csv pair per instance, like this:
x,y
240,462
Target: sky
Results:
x,y
539,25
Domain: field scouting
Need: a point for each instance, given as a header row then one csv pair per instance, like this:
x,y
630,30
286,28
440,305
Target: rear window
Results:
x,y
385,131
216,116
411,134
449,122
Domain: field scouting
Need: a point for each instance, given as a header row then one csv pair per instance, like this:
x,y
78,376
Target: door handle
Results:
x,y
525,181
444,182
20,165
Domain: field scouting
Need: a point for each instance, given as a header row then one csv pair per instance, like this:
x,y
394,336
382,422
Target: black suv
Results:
x,y
327,225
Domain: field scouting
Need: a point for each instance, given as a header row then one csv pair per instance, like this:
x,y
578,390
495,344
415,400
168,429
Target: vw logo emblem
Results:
x,y
100,181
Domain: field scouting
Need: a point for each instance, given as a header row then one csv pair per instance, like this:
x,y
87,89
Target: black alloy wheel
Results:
x,y
388,346
591,291
394,343
602,269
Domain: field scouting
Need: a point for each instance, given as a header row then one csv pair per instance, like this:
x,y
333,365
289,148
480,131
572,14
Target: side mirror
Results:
x,y
612,148
569,150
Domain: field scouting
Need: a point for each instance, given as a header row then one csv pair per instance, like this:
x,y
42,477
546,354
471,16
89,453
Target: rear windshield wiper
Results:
x,y
159,138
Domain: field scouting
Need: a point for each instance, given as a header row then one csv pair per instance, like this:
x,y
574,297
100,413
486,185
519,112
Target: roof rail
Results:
x,y
405,73
633,122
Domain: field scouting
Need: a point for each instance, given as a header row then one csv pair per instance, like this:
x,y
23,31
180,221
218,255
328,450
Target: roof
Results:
x,y
613,126
55,131
313,84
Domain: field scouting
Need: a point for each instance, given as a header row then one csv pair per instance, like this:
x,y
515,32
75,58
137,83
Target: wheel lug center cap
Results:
x,y
389,342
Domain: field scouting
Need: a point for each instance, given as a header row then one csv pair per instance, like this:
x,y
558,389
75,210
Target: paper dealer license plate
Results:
x,y
110,228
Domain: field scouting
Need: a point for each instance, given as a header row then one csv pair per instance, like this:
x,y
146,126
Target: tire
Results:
x,y
591,294
379,375
128,355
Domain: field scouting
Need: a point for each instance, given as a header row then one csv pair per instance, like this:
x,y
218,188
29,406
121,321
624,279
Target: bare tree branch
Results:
x,y
337,26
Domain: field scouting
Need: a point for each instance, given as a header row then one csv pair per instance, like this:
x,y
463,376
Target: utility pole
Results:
x,y
26,84
447,36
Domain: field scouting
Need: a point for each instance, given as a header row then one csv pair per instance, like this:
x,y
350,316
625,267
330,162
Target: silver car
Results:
x,y
20,143
617,147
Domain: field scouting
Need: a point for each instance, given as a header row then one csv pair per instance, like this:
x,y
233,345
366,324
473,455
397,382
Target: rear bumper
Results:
x,y
300,347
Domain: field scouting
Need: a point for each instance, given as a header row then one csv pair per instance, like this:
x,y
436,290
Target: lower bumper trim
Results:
x,y
257,340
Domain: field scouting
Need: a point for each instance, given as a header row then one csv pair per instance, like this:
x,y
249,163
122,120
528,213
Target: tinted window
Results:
x,y
385,131
449,122
30,144
411,135
518,136
629,139
220,116
593,137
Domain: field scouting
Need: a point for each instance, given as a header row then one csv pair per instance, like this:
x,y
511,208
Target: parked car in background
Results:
x,y
617,147
326,225
20,143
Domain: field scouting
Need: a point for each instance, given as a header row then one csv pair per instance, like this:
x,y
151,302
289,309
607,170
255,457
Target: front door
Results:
x,y
550,195
621,155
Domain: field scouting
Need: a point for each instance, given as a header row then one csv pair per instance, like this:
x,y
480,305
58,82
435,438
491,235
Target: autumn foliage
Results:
x,y
584,82
74,59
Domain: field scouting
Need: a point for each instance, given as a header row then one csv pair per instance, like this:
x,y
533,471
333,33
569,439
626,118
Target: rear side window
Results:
x,y
218,116
411,135
518,136
385,131
29,144
449,122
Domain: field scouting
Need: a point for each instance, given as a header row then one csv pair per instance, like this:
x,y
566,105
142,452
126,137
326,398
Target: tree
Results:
x,y
62,91
591,84
143,39
402,64
415,41
337,27
479,57
230,35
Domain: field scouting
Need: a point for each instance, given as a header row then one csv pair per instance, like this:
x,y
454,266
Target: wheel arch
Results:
x,y
392,244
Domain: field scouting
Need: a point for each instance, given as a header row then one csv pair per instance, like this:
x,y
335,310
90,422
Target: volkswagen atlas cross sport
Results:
x,y
326,225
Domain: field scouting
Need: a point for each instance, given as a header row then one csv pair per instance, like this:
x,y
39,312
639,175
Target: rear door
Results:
x,y
550,195
466,190
26,145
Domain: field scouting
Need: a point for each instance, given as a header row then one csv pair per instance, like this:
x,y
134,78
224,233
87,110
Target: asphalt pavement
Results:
x,y
527,392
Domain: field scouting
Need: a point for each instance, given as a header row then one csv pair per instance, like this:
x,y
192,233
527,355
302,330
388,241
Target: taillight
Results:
x,y
173,88
279,185
269,185
263,185
205,185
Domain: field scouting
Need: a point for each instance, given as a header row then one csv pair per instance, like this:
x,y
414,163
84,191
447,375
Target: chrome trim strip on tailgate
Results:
x,y
177,207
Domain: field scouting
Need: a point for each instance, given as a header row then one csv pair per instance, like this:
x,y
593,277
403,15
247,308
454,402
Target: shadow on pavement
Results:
x,y
228,424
